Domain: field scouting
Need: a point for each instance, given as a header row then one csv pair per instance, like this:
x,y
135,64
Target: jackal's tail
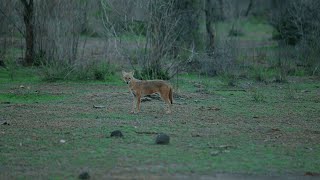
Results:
x,y
170,95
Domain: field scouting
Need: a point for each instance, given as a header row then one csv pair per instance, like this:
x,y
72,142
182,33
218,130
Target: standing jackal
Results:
x,y
139,88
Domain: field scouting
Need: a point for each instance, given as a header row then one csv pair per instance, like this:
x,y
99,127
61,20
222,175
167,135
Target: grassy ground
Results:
x,y
251,129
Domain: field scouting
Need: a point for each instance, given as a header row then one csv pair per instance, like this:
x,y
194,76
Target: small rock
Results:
x,y
195,135
84,175
214,153
305,91
116,133
5,102
62,141
162,139
226,147
6,123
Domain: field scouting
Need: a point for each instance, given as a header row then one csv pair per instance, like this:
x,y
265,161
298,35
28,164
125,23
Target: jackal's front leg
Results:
x,y
132,110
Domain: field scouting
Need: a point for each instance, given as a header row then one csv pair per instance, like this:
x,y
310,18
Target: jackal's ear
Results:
x,y
123,73
132,72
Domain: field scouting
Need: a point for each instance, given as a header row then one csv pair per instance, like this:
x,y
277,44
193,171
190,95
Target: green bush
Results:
x,y
268,75
260,74
11,66
103,71
152,73
137,27
297,20
55,71
235,32
229,79
258,96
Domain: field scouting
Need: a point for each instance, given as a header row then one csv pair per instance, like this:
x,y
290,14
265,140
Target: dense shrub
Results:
x,y
152,73
61,70
297,20
297,24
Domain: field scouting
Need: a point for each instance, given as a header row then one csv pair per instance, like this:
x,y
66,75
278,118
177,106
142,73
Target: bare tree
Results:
x,y
3,33
58,27
221,10
249,7
28,17
163,30
209,26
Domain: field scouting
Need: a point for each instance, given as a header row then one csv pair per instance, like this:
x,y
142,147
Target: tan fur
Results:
x,y
140,88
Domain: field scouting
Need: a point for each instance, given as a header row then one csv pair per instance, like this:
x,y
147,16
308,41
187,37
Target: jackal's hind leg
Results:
x,y
168,102
168,108
138,102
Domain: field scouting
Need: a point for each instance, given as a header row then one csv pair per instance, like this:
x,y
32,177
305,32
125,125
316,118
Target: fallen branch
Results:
x,y
145,132
243,90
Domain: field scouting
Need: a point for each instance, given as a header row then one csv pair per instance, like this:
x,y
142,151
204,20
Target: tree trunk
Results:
x,y
249,8
209,27
29,35
221,9
3,52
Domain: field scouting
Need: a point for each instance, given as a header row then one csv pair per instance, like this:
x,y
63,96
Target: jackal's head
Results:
x,y
127,77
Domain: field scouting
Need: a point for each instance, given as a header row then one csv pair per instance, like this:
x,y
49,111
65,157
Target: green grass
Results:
x,y
19,74
132,37
254,29
277,135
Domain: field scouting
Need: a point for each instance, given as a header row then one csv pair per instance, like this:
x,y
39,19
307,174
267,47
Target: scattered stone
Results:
x,y
226,147
162,139
5,102
195,135
314,132
84,175
209,108
198,85
309,148
145,132
305,91
62,141
275,129
6,123
214,153
116,133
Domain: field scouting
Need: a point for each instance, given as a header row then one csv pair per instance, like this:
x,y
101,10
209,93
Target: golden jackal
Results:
x,y
139,88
